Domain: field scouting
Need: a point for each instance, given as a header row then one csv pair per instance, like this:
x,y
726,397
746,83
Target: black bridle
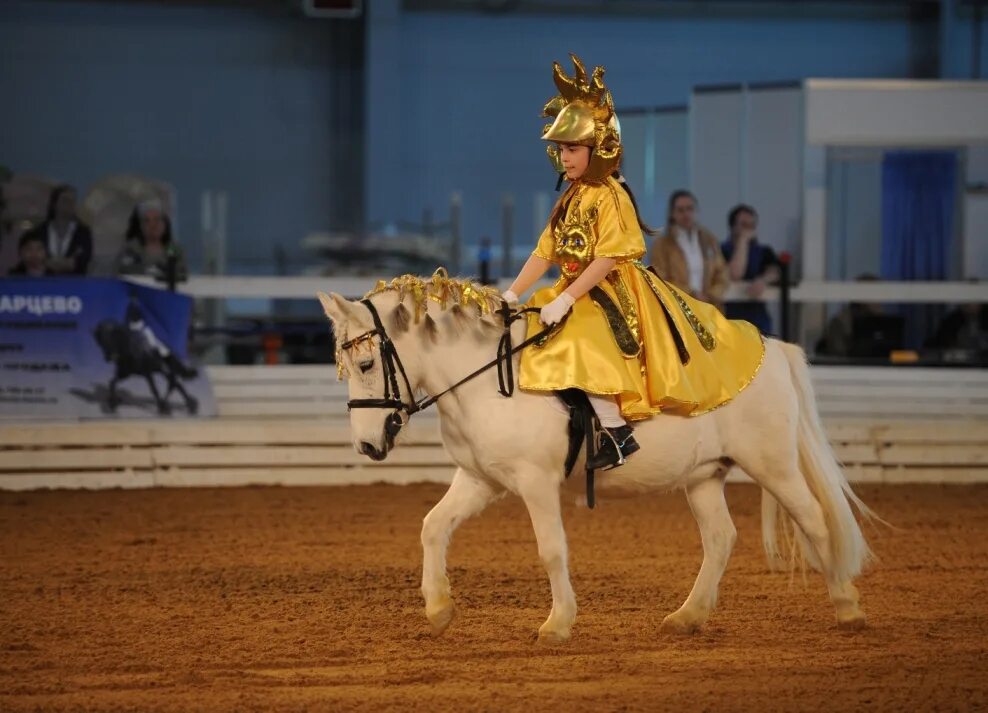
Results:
x,y
392,366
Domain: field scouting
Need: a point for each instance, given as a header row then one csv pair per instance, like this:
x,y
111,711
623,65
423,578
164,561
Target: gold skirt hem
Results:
x,y
723,355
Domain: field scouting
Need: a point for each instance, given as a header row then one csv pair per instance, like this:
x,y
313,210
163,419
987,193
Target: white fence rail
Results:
x,y
307,287
842,391
287,425
292,451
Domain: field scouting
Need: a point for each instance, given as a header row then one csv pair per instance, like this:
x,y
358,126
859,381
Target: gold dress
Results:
x,y
633,335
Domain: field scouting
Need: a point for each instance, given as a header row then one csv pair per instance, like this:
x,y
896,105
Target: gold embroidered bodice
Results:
x,y
575,238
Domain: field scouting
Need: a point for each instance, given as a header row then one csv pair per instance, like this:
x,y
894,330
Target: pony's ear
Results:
x,y
337,308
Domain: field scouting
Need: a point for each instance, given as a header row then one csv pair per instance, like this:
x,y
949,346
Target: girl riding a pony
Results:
x,y
632,342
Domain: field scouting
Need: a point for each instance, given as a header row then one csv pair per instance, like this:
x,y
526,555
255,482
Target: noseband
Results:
x,y
392,366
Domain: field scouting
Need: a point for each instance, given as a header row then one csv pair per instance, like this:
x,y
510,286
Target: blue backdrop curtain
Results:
x,y
919,194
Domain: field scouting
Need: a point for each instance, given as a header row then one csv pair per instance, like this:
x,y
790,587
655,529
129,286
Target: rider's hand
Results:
x,y
556,310
510,297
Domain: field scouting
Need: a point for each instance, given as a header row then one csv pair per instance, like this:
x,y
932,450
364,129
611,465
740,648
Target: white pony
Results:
x,y
518,444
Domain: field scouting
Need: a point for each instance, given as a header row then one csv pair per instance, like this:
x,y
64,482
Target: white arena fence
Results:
x,y
227,287
287,425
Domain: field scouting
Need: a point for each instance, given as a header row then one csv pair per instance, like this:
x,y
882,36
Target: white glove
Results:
x,y
510,297
556,310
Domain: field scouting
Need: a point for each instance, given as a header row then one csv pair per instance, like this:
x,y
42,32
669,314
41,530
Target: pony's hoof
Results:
x,y
681,624
854,621
551,637
441,618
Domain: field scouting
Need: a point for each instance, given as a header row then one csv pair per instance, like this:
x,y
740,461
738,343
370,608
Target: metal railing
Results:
x,y
231,287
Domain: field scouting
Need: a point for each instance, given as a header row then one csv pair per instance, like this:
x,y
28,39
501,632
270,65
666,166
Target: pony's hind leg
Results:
x,y
540,492
111,399
717,531
466,497
191,403
795,497
163,408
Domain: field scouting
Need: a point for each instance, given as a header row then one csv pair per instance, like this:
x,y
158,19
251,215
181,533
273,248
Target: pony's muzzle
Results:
x,y
372,451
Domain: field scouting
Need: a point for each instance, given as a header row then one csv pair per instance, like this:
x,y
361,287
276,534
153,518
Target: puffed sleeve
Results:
x,y
618,234
546,247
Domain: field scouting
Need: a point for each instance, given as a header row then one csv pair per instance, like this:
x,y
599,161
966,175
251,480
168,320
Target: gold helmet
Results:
x,y
583,114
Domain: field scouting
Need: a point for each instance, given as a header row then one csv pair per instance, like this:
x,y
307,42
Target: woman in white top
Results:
x,y
68,241
688,255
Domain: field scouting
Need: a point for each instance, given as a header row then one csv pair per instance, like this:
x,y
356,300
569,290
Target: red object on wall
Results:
x,y
272,346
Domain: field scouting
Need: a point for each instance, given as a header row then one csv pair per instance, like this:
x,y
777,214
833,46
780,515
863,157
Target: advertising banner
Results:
x,y
96,348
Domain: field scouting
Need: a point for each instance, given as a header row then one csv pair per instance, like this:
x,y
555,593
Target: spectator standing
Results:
x,y
68,241
750,261
149,245
687,255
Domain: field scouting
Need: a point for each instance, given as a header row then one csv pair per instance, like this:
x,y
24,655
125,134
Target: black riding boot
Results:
x,y
615,447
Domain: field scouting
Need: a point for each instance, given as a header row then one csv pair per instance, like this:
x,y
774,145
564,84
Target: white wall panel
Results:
x,y
896,112
716,153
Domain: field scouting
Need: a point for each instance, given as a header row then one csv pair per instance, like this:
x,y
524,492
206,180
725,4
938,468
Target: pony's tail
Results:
x,y
848,550
772,531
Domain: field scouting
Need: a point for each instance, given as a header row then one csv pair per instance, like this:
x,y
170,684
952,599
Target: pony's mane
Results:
x,y
446,291
465,306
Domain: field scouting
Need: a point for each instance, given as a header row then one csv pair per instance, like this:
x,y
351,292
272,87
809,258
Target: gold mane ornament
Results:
x,y
441,288
447,291
583,114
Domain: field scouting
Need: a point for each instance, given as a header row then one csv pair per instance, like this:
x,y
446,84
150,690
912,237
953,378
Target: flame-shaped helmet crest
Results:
x,y
583,114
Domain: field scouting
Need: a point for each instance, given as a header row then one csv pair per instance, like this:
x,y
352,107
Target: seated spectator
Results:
x,y
965,327
68,241
752,262
149,244
687,254
861,329
33,257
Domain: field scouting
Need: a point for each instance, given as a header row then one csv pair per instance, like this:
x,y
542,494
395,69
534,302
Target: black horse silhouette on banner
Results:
x,y
136,351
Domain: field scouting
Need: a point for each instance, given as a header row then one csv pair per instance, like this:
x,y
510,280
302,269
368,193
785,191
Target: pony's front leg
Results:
x,y
718,534
163,407
540,491
467,496
111,400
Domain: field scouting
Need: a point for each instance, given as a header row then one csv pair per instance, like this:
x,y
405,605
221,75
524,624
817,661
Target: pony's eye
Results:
x,y
366,366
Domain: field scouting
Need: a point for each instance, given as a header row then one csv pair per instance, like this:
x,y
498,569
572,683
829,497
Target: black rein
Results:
x,y
391,363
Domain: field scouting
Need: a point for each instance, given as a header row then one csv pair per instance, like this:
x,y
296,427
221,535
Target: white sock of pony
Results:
x,y
607,410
